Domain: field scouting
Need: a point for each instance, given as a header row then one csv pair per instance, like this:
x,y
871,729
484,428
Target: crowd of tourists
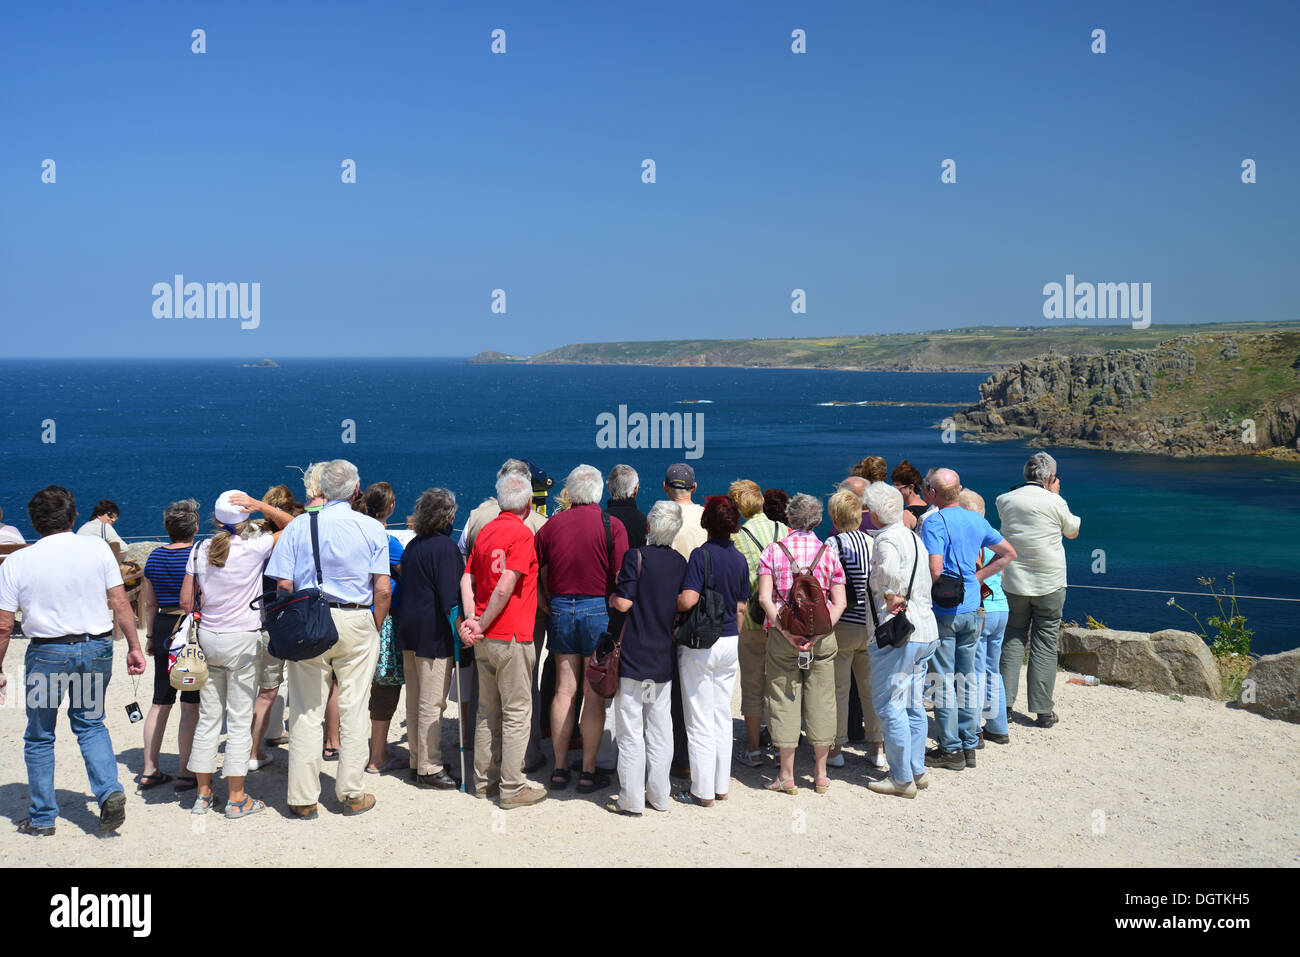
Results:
x,y
914,602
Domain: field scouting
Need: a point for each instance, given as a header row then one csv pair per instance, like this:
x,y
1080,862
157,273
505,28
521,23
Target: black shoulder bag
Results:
x,y
299,623
702,625
898,629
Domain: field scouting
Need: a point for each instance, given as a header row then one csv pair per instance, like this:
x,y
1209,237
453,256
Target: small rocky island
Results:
x,y
1191,395
262,364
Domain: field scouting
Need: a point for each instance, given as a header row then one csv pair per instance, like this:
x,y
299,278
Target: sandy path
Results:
x,y
1189,782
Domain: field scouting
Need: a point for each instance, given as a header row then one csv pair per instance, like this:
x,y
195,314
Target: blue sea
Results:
x,y
144,433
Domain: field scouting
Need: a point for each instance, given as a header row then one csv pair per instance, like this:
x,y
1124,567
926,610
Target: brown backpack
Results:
x,y
804,614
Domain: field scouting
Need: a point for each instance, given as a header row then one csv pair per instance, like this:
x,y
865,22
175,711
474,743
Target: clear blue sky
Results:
x,y
775,170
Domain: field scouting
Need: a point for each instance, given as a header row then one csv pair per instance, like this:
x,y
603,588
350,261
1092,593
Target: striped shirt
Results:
x,y
802,545
854,548
165,569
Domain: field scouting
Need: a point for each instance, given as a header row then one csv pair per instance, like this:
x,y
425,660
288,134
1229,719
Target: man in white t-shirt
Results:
x,y
101,524
70,591
1033,518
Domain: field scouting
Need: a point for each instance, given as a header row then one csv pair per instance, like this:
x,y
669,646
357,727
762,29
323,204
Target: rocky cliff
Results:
x,y
1192,395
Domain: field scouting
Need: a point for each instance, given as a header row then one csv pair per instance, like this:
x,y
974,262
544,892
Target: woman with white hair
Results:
x,y
642,610
579,552
800,670
899,584
226,572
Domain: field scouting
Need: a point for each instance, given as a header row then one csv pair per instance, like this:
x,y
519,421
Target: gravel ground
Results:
x,y
1126,779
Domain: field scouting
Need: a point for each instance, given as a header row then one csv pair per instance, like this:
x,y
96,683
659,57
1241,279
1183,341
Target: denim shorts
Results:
x,y
577,622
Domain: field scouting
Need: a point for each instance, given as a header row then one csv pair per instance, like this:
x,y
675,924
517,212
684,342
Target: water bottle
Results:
x,y
1087,680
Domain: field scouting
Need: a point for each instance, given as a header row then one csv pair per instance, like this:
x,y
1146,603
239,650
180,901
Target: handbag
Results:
x,y
298,624
188,671
701,627
898,629
389,669
602,666
948,591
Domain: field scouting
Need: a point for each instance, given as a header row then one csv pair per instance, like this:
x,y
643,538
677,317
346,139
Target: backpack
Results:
x,y
702,625
753,610
804,613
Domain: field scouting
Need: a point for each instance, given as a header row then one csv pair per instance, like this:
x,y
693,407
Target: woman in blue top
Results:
x,y
379,502
164,571
709,674
988,652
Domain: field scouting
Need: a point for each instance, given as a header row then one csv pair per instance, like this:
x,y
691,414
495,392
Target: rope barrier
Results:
x,y
1194,594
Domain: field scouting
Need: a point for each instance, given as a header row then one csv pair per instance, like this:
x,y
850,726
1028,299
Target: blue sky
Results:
x,y
522,171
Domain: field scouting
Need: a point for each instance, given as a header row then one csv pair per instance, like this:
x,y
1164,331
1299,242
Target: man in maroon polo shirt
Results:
x,y
500,585
579,552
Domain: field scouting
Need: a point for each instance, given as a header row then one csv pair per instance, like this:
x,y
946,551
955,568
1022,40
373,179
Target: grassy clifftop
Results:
x,y
977,349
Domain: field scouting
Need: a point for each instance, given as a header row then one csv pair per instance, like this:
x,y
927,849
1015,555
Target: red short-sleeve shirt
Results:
x,y
506,544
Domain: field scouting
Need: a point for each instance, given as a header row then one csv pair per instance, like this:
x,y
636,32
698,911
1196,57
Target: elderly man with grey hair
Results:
x,y
1033,518
353,549
579,553
499,592
642,610
623,484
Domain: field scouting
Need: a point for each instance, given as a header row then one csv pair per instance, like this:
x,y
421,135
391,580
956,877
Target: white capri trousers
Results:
x,y
708,677
644,732
230,693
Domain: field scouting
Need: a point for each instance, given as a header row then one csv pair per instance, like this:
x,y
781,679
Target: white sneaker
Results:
x,y
254,764
878,760
890,786
836,760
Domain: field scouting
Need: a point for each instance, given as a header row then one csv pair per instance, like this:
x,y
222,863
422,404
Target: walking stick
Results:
x,y
460,697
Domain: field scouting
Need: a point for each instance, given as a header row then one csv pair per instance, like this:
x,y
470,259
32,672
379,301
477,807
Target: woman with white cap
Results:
x,y
227,570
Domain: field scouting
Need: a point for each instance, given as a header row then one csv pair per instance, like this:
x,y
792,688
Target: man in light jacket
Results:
x,y
1033,519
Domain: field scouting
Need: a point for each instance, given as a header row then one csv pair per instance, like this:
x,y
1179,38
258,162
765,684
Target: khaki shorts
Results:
x,y
270,670
753,664
795,695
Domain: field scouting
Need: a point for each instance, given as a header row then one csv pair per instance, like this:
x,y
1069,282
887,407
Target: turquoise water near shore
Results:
x,y
144,433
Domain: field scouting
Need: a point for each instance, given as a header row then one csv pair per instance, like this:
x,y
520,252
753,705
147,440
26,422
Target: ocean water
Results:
x,y
144,433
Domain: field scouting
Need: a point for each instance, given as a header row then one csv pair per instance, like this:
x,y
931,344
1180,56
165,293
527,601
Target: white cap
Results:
x,y
227,513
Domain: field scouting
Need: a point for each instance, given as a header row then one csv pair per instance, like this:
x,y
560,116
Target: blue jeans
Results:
x,y
899,699
988,659
956,706
82,671
577,622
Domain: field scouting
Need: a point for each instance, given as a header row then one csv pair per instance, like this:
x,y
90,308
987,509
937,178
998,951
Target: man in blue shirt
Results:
x,y
953,537
355,578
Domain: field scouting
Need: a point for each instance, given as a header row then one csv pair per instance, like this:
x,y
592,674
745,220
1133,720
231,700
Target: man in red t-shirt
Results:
x,y
500,585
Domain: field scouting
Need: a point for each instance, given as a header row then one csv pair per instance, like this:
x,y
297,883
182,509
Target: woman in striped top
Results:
x,y
853,633
163,573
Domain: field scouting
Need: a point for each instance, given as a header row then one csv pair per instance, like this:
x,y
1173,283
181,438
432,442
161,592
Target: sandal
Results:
x,y
148,781
560,779
202,805
785,787
244,808
186,784
366,803
822,785
330,754
591,781
684,796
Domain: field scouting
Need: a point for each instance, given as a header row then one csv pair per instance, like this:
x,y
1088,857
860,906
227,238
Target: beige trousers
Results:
x,y
852,661
505,713
753,668
427,683
796,695
352,660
